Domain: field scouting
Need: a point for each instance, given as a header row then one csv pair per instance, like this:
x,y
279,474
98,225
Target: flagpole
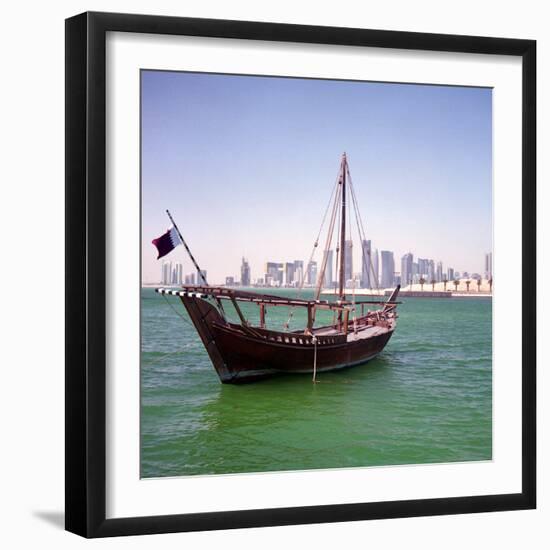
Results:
x,y
199,270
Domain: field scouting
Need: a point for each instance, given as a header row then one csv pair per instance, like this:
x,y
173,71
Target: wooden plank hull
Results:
x,y
247,356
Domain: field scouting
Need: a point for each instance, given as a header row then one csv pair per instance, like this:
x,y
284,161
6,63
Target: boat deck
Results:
x,y
361,334
368,332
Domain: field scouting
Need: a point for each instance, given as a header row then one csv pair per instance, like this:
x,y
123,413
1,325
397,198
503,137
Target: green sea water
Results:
x,y
427,398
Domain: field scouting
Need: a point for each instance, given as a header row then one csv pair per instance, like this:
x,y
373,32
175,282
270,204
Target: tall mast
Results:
x,y
342,282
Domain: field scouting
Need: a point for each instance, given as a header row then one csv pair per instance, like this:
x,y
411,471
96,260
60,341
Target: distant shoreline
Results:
x,y
383,293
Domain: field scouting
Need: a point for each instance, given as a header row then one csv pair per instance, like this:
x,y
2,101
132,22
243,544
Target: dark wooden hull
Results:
x,y
248,358
245,355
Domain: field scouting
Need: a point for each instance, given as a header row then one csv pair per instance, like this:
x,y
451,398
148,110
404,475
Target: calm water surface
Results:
x,y
426,398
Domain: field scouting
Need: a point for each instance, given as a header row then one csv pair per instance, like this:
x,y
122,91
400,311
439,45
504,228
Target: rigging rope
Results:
x,y
338,251
176,311
353,309
362,234
337,264
367,264
328,244
335,189
158,359
314,340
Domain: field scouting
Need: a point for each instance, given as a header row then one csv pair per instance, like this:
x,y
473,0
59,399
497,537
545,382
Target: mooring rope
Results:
x,y
314,340
353,309
164,355
176,311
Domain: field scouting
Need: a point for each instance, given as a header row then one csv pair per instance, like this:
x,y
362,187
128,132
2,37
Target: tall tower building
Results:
x,y
431,271
388,269
366,264
407,269
245,272
201,277
166,273
274,272
439,272
329,281
177,273
299,272
423,267
289,273
376,269
415,272
348,264
312,273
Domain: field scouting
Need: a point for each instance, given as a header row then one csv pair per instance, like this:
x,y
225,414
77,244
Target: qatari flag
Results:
x,y
167,242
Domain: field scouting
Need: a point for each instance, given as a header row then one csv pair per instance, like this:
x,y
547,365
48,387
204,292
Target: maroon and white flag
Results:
x,y
167,242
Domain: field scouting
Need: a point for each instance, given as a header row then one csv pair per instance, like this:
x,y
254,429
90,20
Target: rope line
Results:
x,y
164,355
362,233
328,244
335,190
314,340
176,311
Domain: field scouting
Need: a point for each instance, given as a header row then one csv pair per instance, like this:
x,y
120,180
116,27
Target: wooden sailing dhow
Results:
x,y
241,352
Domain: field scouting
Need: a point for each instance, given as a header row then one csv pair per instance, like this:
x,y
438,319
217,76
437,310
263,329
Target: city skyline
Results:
x,y
246,165
382,274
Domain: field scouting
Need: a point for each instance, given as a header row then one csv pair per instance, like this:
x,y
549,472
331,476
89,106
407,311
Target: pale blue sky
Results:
x,y
246,165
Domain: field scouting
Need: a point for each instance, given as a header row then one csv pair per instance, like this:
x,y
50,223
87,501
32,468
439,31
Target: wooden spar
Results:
x,y
342,282
245,296
199,270
239,312
262,315
346,320
310,317
271,300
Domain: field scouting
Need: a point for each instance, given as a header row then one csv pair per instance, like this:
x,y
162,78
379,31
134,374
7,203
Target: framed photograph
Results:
x,y
300,274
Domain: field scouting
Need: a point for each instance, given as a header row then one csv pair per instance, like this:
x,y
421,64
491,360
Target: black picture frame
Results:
x,y
86,269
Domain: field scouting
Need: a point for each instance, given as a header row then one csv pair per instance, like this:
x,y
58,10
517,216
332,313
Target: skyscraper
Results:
x,y
190,279
375,268
407,269
415,271
289,273
245,273
388,269
274,273
366,264
450,274
348,264
166,274
177,273
201,277
299,272
439,272
312,273
329,281
423,267
431,271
